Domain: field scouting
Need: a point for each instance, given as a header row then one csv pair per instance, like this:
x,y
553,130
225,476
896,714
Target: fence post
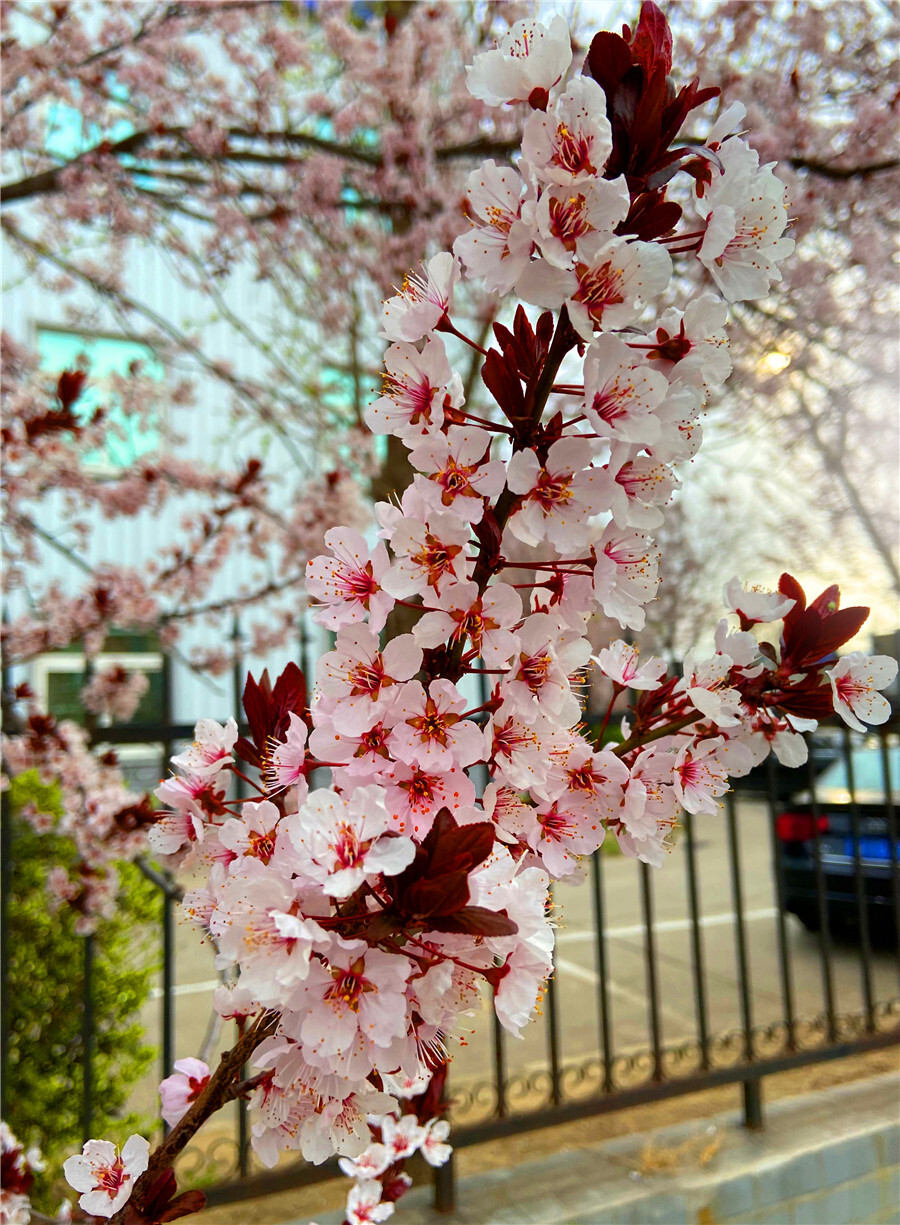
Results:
x,y
445,1186
87,1041
237,691
753,1103
6,878
168,985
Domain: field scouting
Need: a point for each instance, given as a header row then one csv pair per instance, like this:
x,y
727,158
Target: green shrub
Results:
x,y
44,1093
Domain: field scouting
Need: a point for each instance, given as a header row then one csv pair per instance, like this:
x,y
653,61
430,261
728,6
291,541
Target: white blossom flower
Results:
x,y
498,246
104,1176
184,1086
855,681
754,605
572,141
619,661
342,840
211,750
529,57
348,584
422,301
416,387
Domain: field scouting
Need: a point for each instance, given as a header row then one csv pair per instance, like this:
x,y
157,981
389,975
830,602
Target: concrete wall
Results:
x,y
826,1158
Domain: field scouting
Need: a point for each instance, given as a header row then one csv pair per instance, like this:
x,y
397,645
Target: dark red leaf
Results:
x,y
788,586
652,41
70,386
440,895
806,703
608,59
477,921
828,602
840,627
183,1205
499,373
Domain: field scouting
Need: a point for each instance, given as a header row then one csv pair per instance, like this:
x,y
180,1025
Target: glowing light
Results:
x,y
774,362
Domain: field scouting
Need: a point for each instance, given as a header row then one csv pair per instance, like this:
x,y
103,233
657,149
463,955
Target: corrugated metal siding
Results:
x,y
204,428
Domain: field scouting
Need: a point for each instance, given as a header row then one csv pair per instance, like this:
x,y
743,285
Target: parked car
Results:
x,y
839,847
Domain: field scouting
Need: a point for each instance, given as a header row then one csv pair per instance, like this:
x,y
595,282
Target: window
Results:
x,y
59,676
103,357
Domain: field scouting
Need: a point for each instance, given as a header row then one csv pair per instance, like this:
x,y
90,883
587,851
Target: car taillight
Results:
x,y
799,826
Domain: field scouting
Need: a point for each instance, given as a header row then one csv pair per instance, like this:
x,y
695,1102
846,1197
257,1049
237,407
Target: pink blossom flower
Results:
x,y
358,993
103,1176
754,605
701,772
402,1137
563,216
640,486
619,661
572,141
431,551
691,346
743,243
258,925
433,1146
855,681
463,615
460,476
255,833
520,988
172,831
364,755
499,245
369,1164
529,57
359,675
620,393
431,732
183,1087
563,830
559,496
286,762
342,840
348,585
414,796
423,300
364,1206
705,682
626,575
416,388
539,678
606,289
211,750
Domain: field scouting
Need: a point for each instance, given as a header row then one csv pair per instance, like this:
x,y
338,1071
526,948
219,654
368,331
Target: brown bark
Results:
x,y
223,1086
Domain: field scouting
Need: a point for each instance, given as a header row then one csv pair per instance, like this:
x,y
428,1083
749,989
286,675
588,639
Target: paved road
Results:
x,y
577,979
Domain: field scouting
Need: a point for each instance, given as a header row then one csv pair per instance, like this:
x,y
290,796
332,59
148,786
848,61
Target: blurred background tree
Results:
x,y
44,1004
286,164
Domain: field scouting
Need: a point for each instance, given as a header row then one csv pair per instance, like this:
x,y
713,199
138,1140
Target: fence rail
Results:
x,y
767,951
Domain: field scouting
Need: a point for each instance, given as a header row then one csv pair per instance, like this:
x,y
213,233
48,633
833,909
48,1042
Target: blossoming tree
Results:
x,y
358,922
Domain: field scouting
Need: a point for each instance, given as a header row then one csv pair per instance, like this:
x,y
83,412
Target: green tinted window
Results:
x,y
64,697
102,357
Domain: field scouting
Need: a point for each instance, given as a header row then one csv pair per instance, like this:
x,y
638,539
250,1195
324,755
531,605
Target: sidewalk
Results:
x,y
827,1158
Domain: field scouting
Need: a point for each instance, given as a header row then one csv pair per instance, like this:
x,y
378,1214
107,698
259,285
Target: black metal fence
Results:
x,y
771,945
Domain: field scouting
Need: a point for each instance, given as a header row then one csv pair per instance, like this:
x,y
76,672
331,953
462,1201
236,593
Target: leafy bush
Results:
x,y
44,1094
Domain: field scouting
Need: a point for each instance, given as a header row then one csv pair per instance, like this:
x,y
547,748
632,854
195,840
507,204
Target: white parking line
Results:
x,y
156,993
667,925
565,937
587,975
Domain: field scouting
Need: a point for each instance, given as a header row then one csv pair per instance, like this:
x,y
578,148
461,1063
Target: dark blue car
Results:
x,y
872,840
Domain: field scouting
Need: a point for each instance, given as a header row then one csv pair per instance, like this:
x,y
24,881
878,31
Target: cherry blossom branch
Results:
x,y
638,739
223,1086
